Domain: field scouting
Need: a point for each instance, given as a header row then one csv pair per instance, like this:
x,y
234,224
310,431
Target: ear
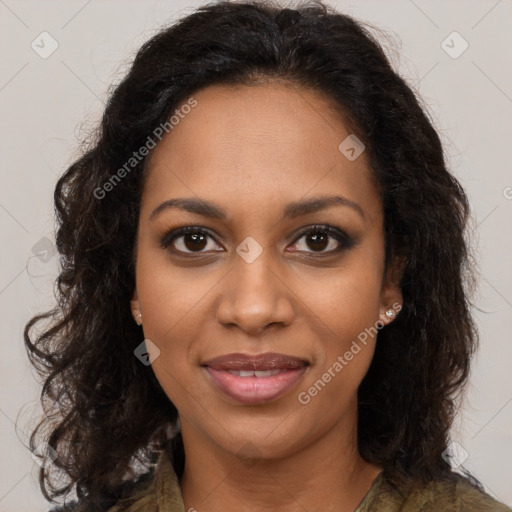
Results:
x,y
391,299
135,308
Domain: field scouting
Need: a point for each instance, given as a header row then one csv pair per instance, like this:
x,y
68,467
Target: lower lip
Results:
x,y
255,390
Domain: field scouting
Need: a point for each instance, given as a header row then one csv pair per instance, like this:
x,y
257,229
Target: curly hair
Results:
x,y
106,414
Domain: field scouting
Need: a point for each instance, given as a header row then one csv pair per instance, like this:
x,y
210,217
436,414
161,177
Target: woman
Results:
x,y
263,302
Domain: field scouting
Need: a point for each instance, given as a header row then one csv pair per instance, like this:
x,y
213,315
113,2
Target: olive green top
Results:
x,y
161,493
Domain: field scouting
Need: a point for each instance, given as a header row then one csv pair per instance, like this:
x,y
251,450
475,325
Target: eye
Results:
x,y
194,239
318,238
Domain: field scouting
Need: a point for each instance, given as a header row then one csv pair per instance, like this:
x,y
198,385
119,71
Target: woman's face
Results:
x,y
255,283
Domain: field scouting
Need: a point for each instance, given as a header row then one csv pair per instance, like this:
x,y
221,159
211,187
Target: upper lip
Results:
x,y
262,362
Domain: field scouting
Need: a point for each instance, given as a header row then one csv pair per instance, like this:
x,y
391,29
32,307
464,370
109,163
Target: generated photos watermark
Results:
x,y
142,152
305,397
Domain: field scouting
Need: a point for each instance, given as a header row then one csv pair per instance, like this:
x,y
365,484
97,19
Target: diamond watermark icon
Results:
x,y
146,352
44,250
455,455
44,45
351,147
44,449
249,249
454,45
249,454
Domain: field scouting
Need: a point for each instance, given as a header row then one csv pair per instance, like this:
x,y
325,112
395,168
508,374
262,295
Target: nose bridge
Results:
x,y
253,295
253,271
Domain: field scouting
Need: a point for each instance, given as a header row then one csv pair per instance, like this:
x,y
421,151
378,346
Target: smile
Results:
x,y
252,387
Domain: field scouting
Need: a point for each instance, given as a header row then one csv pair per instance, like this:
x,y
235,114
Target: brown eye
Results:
x,y
188,240
317,241
194,241
323,239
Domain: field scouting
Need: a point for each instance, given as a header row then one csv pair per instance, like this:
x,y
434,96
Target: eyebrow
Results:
x,y
291,210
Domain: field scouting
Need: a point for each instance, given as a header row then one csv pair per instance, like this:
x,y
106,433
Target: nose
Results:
x,y
255,296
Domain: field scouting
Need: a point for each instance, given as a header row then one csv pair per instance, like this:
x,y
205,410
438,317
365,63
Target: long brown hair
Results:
x,y
105,412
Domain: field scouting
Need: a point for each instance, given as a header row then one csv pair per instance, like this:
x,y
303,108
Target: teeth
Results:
x,y
255,373
267,373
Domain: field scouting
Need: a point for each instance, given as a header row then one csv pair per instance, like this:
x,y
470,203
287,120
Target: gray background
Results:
x,y
49,104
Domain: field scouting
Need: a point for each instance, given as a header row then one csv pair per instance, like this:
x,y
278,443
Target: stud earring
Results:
x,y
139,322
390,313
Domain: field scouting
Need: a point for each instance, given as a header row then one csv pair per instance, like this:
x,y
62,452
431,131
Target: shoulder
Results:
x,y
470,497
131,491
453,493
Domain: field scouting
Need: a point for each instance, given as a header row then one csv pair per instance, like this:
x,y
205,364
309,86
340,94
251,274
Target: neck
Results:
x,y
328,474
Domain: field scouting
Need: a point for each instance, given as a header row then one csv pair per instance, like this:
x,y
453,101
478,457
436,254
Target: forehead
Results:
x,y
256,145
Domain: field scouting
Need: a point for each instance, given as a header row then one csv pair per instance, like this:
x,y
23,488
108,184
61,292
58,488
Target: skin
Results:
x,y
252,150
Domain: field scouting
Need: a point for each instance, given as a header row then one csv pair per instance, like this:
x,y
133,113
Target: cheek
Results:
x,y
343,314
172,299
165,305
343,301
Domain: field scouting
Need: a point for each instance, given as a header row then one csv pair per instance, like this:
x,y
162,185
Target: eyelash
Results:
x,y
345,242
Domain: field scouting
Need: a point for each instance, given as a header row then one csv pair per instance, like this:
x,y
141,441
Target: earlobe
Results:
x,y
136,309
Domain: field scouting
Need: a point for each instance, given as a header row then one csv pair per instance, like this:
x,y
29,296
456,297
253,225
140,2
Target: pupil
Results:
x,y
317,244
197,244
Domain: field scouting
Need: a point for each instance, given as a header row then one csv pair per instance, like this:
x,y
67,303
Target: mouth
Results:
x,y
255,379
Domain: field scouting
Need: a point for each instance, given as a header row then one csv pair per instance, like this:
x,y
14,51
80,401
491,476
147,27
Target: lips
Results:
x,y
258,362
255,379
